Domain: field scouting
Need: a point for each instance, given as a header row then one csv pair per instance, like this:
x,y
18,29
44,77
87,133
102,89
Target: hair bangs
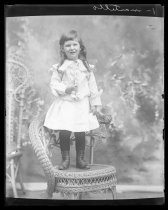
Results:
x,y
68,36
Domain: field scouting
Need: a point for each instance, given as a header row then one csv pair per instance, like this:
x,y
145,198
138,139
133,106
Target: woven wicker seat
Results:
x,y
72,181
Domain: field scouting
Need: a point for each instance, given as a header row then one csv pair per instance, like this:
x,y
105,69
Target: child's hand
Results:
x,y
70,89
95,109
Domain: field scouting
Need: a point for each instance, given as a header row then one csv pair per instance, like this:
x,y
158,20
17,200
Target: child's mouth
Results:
x,y
72,53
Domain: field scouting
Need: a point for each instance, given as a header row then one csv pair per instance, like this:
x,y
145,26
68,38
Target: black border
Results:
x,y
120,202
16,10
151,10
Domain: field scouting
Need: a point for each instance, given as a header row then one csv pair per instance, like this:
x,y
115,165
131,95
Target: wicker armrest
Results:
x,y
41,153
14,155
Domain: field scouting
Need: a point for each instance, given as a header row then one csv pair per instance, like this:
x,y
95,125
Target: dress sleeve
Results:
x,y
94,93
56,85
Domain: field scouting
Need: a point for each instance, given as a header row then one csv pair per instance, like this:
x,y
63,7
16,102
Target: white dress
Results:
x,y
72,112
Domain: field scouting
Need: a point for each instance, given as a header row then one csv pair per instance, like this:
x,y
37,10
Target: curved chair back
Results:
x,y
40,151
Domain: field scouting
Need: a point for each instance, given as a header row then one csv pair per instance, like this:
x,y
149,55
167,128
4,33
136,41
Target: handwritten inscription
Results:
x,y
117,8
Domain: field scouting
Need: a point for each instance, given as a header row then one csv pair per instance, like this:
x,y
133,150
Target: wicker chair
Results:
x,y
17,77
73,182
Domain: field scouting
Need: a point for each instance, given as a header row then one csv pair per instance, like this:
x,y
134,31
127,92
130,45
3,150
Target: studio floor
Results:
x,y
41,194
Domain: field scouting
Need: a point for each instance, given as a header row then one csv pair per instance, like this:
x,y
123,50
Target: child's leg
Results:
x,y
64,136
80,150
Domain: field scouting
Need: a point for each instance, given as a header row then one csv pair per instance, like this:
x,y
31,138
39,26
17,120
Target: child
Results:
x,y
73,83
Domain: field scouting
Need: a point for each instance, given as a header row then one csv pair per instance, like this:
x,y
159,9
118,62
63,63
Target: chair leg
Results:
x,y
46,195
49,196
76,196
80,196
21,181
13,178
49,193
114,193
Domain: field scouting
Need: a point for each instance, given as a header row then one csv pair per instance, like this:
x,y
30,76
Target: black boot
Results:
x,y
65,149
65,160
80,151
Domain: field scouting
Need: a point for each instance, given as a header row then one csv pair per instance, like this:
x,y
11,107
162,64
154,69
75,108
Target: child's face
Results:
x,y
71,48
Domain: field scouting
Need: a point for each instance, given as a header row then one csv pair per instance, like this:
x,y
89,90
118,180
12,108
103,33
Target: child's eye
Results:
x,y
67,45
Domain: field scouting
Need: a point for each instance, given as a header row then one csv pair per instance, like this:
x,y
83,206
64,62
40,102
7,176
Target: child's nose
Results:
x,y
71,47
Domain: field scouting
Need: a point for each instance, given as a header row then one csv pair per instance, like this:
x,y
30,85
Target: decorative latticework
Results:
x,y
71,182
17,75
42,155
16,82
97,178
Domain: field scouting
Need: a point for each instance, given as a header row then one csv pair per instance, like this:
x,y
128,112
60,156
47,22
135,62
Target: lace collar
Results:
x,y
70,63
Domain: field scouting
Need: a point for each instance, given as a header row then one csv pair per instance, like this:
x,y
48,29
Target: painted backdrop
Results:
x,y
128,55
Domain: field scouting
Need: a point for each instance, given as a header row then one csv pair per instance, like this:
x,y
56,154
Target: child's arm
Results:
x,y
56,84
95,96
